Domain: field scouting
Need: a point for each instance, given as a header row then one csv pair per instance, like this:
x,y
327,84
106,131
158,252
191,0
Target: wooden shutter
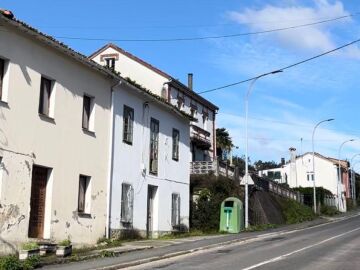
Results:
x,y
82,191
45,92
86,112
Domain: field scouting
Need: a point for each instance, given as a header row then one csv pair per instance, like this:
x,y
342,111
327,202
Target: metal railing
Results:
x,y
215,167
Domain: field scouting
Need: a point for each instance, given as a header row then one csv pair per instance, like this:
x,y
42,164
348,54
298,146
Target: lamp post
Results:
x,y
246,143
339,170
353,195
313,158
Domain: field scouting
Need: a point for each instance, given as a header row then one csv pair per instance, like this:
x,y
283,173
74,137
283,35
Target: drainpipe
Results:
x,y
111,165
214,136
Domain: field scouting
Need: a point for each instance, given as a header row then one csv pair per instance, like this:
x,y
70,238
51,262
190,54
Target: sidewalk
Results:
x,y
140,252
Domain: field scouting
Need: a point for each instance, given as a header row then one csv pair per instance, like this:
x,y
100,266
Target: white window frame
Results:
x,y
5,81
91,120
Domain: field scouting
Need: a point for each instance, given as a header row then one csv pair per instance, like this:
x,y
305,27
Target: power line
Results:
x,y
207,37
47,26
281,69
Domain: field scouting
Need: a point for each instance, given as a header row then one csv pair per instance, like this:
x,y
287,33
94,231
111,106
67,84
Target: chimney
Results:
x,y
190,81
282,161
292,154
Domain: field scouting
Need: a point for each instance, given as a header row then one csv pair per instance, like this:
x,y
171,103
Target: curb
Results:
x,y
69,260
226,243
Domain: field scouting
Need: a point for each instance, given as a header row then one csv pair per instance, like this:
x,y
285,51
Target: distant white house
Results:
x,y
150,168
298,172
202,132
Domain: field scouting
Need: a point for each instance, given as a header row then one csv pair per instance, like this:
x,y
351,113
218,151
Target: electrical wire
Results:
x,y
207,37
281,69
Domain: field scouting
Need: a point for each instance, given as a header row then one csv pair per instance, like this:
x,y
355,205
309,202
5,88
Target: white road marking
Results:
x,y
297,251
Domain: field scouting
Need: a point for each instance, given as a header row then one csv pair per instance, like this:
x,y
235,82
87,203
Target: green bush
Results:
x,y
65,243
31,263
205,211
10,263
295,212
29,246
328,210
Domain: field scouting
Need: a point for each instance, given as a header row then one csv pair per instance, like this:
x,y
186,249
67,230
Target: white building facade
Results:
x,y
202,131
65,156
54,138
151,169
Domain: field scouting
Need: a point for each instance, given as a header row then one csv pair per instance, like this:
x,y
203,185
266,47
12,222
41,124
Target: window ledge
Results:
x,y
89,132
175,159
84,215
127,142
47,118
4,103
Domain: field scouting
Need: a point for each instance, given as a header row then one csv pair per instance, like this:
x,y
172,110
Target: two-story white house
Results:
x,y
83,151
298,172
150,169
55,112
202,131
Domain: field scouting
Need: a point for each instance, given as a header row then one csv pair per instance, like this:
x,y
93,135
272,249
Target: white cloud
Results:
x,y
270,137
315,37
282,102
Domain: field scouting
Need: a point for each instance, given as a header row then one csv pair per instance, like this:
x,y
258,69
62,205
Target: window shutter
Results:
x,y
173,210
81,202
86,112
178,210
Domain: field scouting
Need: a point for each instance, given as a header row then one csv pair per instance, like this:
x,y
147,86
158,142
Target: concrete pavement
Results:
x,y
331,246
218,251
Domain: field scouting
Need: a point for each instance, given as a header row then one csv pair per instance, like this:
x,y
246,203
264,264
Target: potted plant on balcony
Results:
x,y
29,249
64,248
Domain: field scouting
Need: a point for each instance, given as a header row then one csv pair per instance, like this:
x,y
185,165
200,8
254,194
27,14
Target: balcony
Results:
x,y
200,137
214,167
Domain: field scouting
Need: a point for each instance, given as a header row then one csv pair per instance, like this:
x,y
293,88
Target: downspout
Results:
x,y
214,136
111,156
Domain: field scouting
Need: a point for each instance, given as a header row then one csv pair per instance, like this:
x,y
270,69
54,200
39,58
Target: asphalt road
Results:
x,y
331,246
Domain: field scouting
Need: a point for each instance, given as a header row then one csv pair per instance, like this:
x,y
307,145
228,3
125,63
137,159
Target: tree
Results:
x,y
223,141
264,165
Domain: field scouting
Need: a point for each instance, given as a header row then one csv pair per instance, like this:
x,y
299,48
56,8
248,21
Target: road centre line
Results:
x,y
279,258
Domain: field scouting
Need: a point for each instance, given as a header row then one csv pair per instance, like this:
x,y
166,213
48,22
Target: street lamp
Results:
x,y
339,171
352,176
313,158
246,143
352,171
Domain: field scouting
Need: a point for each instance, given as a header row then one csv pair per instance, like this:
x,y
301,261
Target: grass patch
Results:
x,y
192,233
13,263
329,210
295,212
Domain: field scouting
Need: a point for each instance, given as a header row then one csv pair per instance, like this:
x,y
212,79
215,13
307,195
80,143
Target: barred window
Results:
x,y
128,125
127,202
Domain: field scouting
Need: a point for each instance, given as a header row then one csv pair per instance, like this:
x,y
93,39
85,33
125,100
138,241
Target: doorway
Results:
x,y
150,211
37,201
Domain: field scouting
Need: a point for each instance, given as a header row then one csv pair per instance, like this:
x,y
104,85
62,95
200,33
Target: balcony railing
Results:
x,y
215,167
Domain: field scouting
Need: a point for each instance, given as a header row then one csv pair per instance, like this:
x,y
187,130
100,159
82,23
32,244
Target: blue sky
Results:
x,y
283,107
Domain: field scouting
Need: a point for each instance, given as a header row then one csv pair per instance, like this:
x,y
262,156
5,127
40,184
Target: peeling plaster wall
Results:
x,y
129,160
59,143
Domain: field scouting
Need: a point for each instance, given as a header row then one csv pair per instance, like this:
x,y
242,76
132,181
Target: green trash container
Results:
x,y
231,215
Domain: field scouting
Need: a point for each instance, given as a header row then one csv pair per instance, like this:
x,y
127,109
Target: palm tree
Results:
x,y
223,141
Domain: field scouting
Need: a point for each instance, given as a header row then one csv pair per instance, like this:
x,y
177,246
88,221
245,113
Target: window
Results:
x,y
2,73
175,210
310,176
175,144
127,202
88,113
1,171
45,96
84,195
154,145
128,124
110,63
